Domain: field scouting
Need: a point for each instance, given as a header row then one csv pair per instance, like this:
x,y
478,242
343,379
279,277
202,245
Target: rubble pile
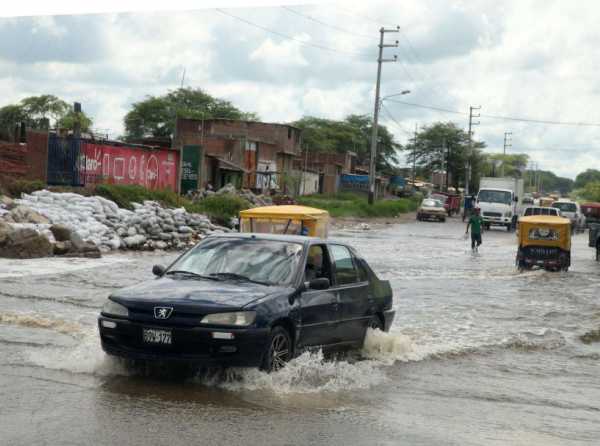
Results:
x,y
252,198
84,222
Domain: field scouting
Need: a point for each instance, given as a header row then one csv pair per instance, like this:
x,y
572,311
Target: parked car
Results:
x,y
540,210
572,211
431,209
252,300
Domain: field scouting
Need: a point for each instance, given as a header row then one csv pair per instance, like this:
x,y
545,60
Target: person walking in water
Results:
x,y
476,225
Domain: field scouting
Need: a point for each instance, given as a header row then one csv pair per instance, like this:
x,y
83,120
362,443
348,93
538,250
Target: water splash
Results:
x,y
36,321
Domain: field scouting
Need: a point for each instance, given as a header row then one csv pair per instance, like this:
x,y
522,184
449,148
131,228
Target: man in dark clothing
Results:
x,y
476,224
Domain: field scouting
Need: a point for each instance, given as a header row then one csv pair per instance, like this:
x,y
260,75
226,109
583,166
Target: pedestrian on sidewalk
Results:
x,y
476,225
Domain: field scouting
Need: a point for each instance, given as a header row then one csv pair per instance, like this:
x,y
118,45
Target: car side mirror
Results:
x,y
158,270
516,198
322,283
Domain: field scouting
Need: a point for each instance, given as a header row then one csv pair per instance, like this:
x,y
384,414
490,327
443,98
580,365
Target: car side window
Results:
x,y
318,264
345,269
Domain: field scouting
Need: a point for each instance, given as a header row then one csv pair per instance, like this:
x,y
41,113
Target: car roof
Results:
x,y
274,237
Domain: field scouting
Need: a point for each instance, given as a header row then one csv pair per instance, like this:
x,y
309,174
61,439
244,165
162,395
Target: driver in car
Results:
x,y
314,263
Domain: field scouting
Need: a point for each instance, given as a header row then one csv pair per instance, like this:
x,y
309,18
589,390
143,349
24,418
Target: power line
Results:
x,y
505,118
285,36
308,17
400,126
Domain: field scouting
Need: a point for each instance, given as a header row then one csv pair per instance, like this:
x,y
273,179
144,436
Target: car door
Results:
x,y
352,286
318,308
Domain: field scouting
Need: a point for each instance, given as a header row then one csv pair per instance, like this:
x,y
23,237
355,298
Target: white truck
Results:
x,y
499,200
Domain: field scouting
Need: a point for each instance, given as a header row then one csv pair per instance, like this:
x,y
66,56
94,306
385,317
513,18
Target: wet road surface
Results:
x,y
478,354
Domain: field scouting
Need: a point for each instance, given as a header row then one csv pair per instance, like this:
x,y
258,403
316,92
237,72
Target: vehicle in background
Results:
x,y
499,200
544,241
546,201
527,200
540,210
251,300
431,209
591,211
572,211
450,201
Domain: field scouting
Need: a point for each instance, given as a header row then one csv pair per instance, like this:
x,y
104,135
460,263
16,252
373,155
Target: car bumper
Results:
x,y
388,318
425,214
188,344
497,220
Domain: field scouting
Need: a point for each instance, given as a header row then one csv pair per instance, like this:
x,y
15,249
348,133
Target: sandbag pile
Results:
x,y
98,220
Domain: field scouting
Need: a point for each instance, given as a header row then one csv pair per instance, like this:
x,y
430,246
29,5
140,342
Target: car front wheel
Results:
x,y
278,350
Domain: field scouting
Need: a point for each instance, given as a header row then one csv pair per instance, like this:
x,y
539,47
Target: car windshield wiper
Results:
x,y
239,277
191,273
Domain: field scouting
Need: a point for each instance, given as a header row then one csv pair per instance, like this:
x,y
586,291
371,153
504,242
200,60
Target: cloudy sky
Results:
x,y
538,60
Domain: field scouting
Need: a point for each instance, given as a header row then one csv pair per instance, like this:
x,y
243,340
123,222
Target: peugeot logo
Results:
x,y
162,312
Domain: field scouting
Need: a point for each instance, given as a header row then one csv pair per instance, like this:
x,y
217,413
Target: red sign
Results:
x,y
151,168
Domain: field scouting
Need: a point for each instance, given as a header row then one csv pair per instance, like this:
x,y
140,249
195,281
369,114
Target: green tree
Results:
x,y
44,110
69,120
588,176
591,191
444,145
351,134
548,182
155,116
40,112
10,117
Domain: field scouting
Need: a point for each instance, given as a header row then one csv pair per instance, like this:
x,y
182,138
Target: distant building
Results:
x,y
250,154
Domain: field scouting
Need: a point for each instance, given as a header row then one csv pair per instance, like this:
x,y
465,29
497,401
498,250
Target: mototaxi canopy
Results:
x,y
286,219
544,230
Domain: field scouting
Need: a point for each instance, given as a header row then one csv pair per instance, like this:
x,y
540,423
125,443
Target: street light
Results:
x,y
379,103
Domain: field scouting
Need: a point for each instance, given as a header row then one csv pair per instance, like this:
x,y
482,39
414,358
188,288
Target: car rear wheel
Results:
x,y
278,351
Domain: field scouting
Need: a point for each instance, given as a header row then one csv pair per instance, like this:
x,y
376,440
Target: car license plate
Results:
x,y
153,336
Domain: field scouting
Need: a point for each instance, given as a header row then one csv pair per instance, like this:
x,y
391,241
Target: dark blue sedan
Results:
x,y
248,300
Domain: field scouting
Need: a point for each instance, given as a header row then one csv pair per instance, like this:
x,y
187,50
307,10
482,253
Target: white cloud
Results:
x,y
535,59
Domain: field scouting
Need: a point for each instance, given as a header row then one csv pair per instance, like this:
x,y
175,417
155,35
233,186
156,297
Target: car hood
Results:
x,y
194,293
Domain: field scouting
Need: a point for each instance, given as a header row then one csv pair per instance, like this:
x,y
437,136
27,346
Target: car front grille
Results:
x,y
492,214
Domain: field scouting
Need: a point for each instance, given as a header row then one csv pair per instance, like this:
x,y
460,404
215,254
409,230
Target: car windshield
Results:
x,y
441,198
268,261
432,203
565,207
494,196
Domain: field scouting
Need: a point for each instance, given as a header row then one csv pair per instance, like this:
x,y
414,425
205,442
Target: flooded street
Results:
x,y
478,354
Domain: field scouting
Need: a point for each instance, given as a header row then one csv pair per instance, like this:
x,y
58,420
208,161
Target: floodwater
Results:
x,y
479,354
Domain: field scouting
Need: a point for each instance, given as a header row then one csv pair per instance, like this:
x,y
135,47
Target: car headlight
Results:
x,y
112,308
239,318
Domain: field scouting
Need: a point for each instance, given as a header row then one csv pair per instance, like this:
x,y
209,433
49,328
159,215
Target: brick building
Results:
x,y
248,154
330,167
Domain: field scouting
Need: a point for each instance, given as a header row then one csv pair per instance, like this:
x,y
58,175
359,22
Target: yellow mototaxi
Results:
x,y
544,241
287,219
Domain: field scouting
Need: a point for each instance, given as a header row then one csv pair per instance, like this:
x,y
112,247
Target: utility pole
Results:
x,y
446,147
470,150
507,141
414,166
380,60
